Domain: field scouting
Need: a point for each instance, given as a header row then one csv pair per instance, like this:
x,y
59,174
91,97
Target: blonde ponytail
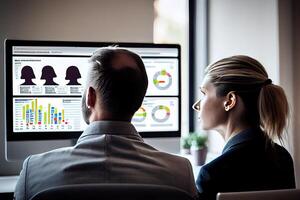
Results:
x,y
273,110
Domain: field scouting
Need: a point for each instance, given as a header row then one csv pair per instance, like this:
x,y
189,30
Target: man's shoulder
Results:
x,y
174,157
50,155
168,159
164,155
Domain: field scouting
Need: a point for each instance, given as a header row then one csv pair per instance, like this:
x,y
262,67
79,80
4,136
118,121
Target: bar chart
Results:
x,y
45,114
33,113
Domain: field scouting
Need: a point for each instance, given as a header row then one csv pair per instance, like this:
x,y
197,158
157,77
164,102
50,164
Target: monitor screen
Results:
x,y
45,81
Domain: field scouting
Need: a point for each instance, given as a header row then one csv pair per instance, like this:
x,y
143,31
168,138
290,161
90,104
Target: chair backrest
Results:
x,y
112,192
290,194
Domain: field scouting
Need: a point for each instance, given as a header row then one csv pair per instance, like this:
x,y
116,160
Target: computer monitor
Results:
x,y
44,85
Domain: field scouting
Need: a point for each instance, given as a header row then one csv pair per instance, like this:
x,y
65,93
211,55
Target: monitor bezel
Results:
x,y
9,43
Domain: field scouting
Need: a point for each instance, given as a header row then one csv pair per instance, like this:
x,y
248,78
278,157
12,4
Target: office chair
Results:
x,y
290,194
112,192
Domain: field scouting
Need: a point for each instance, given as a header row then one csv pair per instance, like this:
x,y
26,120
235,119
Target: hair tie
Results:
x,y
267,82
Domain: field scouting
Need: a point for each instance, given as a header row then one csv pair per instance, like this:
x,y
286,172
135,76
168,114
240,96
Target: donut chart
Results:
x,y
140,115
160,113
162,80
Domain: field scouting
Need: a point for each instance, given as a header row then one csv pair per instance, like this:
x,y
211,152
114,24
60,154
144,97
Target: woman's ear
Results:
x,y
91,97
230,101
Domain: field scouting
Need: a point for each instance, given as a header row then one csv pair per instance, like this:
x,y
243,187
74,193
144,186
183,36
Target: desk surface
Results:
x,y
8,183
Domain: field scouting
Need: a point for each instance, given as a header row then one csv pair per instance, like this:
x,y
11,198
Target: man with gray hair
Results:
x,y
110,150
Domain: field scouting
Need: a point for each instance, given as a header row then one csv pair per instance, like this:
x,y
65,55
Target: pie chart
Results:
x,y
140,115
160,113
162,80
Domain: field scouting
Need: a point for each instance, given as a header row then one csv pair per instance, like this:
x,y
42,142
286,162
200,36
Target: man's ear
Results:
x,y
230,101
91,97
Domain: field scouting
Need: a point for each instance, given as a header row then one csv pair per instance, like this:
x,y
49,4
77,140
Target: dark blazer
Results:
x,y
249,161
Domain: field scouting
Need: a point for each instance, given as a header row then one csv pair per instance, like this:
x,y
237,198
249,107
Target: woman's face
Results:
x,y
210,107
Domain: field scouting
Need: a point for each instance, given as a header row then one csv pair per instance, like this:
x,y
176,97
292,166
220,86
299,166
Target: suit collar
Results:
x,y
243,136
110,128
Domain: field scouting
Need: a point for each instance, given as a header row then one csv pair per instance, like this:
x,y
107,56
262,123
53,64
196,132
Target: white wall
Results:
x,y
245,27
73,20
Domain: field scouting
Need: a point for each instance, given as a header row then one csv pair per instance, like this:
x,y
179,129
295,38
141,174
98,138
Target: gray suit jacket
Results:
x,y
106,152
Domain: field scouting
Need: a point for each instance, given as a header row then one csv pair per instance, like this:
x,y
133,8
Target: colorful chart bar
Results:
x,y
34,114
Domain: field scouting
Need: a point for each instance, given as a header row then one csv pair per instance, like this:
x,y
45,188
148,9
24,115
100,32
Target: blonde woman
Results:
x,y
250,112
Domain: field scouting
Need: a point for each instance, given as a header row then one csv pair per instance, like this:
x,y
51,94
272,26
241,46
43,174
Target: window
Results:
x,y
171,26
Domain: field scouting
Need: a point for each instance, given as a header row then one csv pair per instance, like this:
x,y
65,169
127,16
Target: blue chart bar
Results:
x,y
52,114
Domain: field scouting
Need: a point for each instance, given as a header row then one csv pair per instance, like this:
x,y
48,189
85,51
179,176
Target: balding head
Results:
x,y
120,81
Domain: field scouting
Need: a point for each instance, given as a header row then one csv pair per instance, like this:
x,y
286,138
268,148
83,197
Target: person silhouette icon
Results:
x,y
27,74
72,74
48,74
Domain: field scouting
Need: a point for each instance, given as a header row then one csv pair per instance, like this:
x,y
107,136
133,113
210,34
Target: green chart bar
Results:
x,y
49,113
